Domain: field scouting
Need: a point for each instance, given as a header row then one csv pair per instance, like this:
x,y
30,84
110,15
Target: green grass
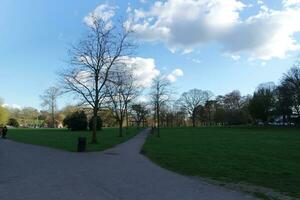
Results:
x,y
67,140
268,157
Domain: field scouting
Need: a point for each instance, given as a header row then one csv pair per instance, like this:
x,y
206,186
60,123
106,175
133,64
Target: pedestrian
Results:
x,y
4,132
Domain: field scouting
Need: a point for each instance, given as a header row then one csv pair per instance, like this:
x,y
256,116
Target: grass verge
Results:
x,y
67,140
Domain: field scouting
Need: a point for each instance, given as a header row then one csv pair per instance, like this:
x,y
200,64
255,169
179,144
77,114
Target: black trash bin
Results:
x,y
81,144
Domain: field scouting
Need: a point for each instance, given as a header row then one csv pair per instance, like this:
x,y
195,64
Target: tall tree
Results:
x,y
120,90
232,108
91,61
262,104
160,94
49,101
291,87
192,100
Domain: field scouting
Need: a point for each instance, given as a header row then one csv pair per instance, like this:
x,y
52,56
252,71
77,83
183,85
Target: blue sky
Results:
x,y
35,34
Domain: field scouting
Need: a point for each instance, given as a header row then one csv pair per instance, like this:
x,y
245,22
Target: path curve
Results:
x,y
29,172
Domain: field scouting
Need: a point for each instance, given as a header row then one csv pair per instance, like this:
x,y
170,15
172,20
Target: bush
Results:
x,y
77,121
3,116
99,123
13,122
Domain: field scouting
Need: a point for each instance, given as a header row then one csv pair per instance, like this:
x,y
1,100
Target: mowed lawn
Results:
x,y
67,140
268,157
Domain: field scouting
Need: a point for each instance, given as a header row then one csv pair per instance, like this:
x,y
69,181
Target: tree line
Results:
x,y
106,92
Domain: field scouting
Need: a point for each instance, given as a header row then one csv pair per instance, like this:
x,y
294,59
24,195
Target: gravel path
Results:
x,y
29,172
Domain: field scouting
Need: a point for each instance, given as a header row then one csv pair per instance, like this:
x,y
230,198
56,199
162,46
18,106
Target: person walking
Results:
x,y
4,132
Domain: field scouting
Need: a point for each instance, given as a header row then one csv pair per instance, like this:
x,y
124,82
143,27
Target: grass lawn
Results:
x,y
268,157
67,140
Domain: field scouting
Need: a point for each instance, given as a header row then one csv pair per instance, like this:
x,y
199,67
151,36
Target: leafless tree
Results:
x,y
190,101
91,61
49,100
160,94
139,113
291,84
121,90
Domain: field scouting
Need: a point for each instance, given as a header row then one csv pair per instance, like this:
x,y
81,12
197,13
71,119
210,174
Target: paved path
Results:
x,y
29,172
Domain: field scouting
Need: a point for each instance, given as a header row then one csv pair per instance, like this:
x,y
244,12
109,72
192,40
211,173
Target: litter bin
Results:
x,y
81,144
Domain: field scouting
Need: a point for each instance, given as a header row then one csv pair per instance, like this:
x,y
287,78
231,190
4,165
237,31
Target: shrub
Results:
x,y
13,122
3,116
99,123
76,121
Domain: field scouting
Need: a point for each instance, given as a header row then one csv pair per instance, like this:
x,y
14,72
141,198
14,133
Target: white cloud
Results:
x,y
288,3
266,35
235,57
187,24
14,106
104,12
143,1
144,70
170,22
197,61
172,77
263,64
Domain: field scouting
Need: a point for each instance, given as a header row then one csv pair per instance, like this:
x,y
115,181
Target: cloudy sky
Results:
x,y
212,45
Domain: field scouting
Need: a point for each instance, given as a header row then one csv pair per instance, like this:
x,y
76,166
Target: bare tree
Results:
x,y
91,61
291,84
139,113
121,90
129,90
49,100
190,102
160,94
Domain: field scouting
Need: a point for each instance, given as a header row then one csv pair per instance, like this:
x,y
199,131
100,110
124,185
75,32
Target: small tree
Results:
x,y
139,113
76,121
160,94
3,116
49,100
13,122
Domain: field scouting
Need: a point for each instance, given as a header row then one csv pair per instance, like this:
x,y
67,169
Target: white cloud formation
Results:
x,y
144,70
104,12
169,21
172,77
266,35
235,57
14,106
187,24
288,3
197,61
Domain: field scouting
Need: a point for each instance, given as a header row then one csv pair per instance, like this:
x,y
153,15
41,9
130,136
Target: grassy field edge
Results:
x,y
272,153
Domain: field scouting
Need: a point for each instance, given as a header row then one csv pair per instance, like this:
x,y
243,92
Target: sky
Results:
x,y
212,45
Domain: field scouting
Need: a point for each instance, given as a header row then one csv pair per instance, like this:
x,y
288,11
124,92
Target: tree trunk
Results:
x,y
158,122
126,115
121,128
194,121
94,135
52,116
